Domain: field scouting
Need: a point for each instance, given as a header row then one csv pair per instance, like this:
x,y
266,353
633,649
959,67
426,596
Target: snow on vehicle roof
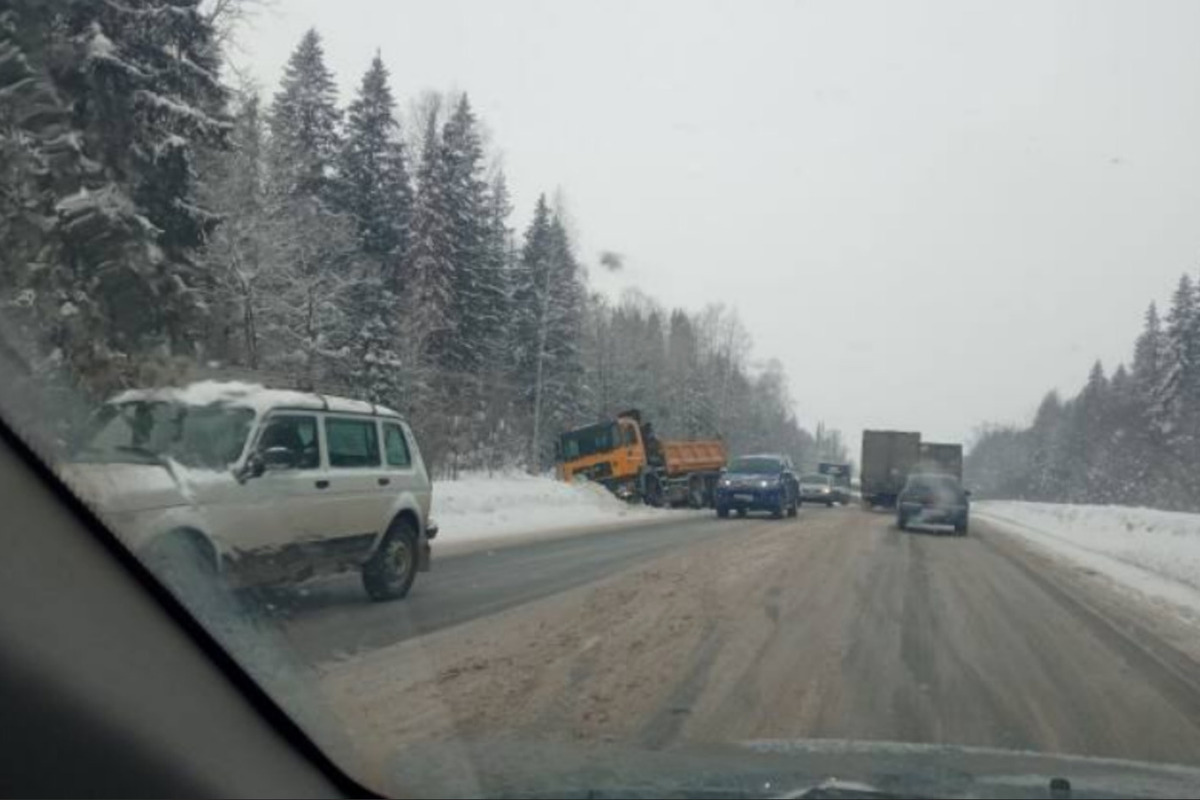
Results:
x,y
250,395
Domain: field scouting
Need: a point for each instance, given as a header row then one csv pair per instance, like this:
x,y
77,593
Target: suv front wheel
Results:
x,y
391,571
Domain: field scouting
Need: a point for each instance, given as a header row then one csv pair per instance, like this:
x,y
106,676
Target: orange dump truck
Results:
x,y
625,455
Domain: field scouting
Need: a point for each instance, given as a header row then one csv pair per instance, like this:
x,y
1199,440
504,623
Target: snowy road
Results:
x,y
835,625
334,619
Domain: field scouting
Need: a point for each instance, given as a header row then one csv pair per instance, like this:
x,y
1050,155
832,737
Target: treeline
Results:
x,y
1128,438
158,225
692,375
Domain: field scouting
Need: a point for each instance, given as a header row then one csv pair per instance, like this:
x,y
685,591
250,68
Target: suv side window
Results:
x,y
396,446
353,443
298,434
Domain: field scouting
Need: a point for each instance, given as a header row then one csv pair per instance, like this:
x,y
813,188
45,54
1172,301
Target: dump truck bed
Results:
x,y
686,457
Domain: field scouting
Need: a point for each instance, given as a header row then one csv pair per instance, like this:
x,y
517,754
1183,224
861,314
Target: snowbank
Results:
x,y
1153,552
477,509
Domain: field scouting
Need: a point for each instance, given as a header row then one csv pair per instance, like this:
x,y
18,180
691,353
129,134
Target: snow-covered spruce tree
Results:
x,y
308,332
1174,401
111,102
475,287
1149,356
1043,479
485,395
429,297
531,281
548,306
375,192
499,262
373,184
305,123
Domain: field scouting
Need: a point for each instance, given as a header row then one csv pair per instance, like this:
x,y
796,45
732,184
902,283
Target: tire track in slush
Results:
x,y
1174,674
667,724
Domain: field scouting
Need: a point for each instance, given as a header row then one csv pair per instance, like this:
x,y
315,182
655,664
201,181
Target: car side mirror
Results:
x,y
254,467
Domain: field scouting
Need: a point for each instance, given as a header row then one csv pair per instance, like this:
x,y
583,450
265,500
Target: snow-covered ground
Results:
x,y
477,509
1156,553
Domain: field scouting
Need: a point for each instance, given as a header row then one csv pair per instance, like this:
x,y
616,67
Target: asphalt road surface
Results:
x,y
833,625
333,619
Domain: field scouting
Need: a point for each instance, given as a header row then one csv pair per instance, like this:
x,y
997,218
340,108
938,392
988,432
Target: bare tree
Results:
x,y
228,16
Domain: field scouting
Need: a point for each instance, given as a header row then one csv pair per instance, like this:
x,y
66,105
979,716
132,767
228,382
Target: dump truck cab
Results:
x,y
612,453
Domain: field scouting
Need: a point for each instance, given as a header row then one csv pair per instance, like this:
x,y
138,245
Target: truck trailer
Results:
x,y
888,457
941,459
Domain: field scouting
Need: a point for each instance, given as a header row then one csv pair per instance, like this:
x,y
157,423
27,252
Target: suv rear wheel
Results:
x,y
390,573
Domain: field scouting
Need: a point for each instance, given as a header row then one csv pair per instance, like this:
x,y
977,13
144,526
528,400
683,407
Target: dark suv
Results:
x,y
763,483
934,499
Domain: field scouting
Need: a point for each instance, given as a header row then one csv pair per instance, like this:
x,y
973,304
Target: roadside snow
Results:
x,y
1156,553
477,509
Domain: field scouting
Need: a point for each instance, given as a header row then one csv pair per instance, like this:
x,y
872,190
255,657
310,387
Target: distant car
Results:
x,y
934,499
759,483
816,488
261,486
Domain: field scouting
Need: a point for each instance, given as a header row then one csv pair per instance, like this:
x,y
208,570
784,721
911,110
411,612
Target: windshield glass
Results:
x,y
938,482
210,437
452,361
589,441
755,466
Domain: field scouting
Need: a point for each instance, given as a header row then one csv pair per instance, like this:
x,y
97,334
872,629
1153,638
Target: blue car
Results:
x,y
759,483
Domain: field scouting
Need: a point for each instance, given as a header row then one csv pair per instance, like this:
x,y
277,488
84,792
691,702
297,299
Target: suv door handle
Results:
x,y
385,481
322,484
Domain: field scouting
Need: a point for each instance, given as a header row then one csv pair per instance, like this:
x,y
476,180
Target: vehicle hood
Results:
x,y
117,488
777,768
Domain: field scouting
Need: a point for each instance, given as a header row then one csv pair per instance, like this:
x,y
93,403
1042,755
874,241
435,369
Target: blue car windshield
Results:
x,y
756,466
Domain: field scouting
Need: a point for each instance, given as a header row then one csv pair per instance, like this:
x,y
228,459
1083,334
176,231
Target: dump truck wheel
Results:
x,y
654,496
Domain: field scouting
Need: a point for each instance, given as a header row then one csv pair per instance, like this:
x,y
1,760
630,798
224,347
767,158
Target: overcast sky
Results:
x,y
931,213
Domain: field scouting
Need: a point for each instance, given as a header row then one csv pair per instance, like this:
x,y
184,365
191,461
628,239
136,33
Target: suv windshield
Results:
x,y
755,466
207,437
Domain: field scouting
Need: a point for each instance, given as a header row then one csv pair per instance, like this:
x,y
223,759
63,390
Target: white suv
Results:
x,y
267,486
